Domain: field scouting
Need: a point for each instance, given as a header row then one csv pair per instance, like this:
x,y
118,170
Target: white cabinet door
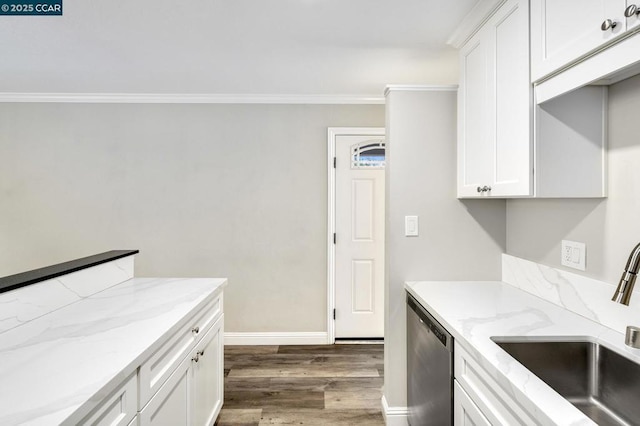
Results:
x,y
494,107
171,405
563,31
474,153
634,20
208,376
465,412
511,116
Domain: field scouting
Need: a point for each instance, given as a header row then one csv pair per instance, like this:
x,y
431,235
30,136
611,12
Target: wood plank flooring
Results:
x,y
302,385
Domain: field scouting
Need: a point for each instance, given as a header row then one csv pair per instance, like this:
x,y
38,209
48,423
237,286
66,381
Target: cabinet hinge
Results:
x,y
334,314
334,162
334,238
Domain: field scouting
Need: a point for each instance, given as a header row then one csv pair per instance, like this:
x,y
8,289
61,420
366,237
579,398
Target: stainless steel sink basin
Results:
x,y
601,383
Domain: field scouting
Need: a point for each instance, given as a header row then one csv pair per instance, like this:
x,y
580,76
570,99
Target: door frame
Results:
x,y
332,134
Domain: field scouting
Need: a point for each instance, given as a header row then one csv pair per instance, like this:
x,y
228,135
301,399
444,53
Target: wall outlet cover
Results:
x,y
573,255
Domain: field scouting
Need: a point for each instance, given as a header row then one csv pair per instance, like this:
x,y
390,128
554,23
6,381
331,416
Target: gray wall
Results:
x,y
237,191
459,240
610,227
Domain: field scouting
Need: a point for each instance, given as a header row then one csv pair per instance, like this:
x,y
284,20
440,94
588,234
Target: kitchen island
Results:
x,y
119,356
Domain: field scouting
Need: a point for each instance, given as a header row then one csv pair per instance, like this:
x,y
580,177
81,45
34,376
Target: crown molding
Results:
x,y
471,23
420,88
174,98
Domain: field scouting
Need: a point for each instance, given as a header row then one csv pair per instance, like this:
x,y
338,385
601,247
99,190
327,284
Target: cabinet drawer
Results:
x,y
119,409
157,369
496,405
206,316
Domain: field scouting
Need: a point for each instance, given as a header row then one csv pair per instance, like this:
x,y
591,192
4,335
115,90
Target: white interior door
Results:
x,y
359,226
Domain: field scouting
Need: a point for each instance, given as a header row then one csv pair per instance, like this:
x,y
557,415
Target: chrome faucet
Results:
x,y
628,279
624,290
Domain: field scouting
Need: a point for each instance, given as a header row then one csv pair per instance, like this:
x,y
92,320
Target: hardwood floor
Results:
x,y
302,385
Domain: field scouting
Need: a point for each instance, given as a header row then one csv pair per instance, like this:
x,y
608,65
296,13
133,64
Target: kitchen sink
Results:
x,y
601,383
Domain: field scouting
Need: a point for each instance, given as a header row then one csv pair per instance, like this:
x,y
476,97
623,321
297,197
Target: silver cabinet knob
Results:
x,y
632,10
608,24
198,355
479,189
483,188
195,330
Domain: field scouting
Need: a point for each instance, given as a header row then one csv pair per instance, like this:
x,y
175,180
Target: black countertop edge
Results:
x,y
24,279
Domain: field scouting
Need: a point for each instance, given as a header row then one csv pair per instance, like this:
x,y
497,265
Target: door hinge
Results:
x,y
334,238
334,162
334,314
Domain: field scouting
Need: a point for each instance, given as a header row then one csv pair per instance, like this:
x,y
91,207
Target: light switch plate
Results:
x,y
573,255
411,226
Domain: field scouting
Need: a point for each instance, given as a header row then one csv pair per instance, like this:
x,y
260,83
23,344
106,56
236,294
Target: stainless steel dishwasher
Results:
x,y
429,368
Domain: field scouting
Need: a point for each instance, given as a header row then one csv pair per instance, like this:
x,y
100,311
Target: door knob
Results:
x,y
631,10
608,24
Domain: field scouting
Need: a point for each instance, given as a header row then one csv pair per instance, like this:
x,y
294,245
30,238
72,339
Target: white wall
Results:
x,y
237,191
609,227
459,240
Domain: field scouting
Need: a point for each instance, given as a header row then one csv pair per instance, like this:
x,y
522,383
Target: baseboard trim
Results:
x,y
394,416
293,338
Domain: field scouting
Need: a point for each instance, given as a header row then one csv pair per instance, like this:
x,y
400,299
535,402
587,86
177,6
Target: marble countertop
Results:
x,y
56,368
475,311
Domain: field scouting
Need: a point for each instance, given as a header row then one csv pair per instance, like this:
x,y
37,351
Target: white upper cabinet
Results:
x,y
509,145
563,32
494,107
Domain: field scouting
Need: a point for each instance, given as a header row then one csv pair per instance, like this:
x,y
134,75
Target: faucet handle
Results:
x,y
632,338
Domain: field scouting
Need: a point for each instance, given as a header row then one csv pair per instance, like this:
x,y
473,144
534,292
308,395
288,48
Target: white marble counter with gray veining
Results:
x,y
475,311
56,368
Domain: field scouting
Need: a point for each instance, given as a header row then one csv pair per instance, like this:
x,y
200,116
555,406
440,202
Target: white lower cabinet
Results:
x,y
465,412
206,374
480,398
119,408
180,384
170,405
193,393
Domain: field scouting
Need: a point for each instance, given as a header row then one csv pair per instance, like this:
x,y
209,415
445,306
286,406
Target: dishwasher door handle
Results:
x,y
431,323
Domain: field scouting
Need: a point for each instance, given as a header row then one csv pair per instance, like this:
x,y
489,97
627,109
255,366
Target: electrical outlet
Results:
x,y
573,255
